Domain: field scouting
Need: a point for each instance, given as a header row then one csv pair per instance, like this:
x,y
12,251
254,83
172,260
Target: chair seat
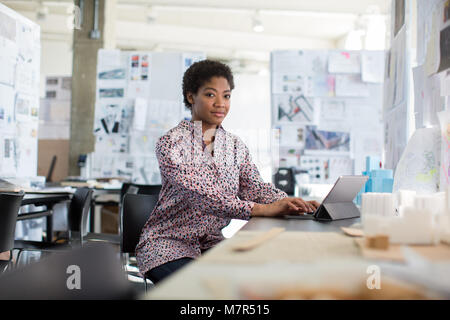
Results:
x,y
105,237
40,245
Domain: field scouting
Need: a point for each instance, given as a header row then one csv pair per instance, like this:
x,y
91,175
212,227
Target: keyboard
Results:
x,y
307,216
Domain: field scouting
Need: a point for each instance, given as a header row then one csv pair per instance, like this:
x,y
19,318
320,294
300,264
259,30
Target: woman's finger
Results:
x,y
300,203
292,206
315,204
311,207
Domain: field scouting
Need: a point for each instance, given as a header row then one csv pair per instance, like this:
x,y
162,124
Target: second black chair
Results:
x,y
136,210
9,204
77,226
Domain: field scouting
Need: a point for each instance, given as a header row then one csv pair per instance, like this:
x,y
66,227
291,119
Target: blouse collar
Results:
x,y
194,125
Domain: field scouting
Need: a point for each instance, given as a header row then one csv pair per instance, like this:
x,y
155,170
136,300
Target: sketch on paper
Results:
x,y
114,74
112,118
292,108
111,93
7,27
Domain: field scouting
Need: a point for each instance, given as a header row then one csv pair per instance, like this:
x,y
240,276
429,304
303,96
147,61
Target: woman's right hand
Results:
x,y
283,207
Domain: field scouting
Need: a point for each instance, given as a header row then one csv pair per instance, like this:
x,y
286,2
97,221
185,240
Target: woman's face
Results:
x,y
211,102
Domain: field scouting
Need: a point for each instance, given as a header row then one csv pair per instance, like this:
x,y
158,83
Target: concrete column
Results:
x,y
85,48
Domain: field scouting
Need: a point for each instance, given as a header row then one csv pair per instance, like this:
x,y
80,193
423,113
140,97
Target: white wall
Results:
x,y
249,117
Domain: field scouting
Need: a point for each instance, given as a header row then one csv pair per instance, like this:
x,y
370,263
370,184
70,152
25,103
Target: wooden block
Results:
x,y
379,241
353,232
258,240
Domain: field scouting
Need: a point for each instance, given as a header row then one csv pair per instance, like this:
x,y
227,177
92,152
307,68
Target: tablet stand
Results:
x,y
337,211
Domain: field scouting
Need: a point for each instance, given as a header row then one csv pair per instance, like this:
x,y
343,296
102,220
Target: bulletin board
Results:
x,y
431,82
327,108
139,98
396,106
19,94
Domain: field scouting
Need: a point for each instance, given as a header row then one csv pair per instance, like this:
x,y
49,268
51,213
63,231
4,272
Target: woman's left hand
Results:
x,y
314,204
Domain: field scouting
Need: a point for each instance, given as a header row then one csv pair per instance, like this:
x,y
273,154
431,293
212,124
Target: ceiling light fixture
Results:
x,y
151,15
42,12
257,24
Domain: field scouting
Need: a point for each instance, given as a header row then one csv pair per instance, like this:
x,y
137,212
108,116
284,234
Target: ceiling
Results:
x,y
222,29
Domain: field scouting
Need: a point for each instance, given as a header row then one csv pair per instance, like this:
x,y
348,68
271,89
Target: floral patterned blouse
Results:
x,y
201,192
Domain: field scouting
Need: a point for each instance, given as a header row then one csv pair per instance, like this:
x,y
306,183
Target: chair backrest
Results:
x,y
9,209
136,210
51,169
79,210
142,189
133,190
285,180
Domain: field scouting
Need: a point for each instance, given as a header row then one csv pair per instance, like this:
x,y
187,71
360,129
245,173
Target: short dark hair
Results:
x,y
201,72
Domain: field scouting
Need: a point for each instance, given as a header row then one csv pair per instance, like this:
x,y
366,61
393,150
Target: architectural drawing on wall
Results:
x,y
19,94
396,99
322,105
134,107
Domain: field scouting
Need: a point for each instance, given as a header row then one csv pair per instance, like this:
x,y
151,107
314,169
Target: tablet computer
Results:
x,y
338,204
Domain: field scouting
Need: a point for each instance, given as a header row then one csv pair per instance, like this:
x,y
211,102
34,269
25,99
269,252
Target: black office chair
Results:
x,y
135,188
10,205
78,220
136,210
92,236
90,272
130,188
77,227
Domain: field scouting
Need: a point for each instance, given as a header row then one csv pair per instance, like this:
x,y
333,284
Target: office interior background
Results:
x,y
323,88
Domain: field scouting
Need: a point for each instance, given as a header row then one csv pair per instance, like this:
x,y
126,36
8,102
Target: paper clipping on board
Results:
x,y
292,135
444,119
334,115
139,75
344,62
370,66
326,141
432,39
140,114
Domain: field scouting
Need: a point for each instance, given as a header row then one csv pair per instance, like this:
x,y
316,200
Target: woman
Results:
x,y
208,178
